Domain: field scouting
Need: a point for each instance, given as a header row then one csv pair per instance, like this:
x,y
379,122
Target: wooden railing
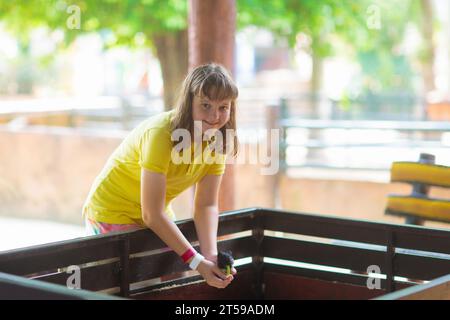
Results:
x,y
273,241
111,263
438,289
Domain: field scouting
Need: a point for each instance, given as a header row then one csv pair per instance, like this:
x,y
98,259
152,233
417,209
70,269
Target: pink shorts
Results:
x,y
95,227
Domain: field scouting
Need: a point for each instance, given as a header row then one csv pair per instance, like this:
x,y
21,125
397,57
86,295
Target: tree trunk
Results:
x,y
429,46
25,77
316,84
211,36
172,52
212,26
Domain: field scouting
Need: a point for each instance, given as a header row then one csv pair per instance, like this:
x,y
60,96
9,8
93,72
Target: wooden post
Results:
x,y
390,256
212,27
125,267
258,256
420,189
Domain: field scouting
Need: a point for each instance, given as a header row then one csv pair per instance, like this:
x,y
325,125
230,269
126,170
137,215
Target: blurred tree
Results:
x,y
24,74
159,25
372,31
427,53
321,21
405,39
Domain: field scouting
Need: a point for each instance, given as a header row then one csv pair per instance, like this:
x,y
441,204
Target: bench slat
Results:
x,y
426,208
414,172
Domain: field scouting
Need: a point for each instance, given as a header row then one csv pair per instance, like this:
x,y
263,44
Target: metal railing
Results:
x,y
306,142
355,144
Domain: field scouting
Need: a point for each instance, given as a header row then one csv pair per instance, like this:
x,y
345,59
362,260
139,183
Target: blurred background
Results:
x,y
354,85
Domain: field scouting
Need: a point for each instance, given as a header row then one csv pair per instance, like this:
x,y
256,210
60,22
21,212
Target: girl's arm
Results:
x,y
153,194
206,215
153,186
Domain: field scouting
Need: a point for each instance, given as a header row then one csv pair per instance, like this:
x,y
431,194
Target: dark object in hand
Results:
x,y
225,261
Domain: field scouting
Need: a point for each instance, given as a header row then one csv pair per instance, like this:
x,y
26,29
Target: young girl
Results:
x,y
144,174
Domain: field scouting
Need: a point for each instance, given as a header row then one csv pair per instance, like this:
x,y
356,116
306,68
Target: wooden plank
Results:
x,y
157,265
290,287
50,257
422,238
426,173
95,278
146,240
390,255
323,226
355,279
125,267
59,246
420,267
27,262
240,288
438,289
14,288
258,257
350,278
347,257
419,206
404,236
437,218
63,254
181,281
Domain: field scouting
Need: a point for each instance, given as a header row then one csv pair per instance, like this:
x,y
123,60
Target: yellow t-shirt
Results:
x,y
115,194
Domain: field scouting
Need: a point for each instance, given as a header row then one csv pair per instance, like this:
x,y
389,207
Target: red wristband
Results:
x,y
188,254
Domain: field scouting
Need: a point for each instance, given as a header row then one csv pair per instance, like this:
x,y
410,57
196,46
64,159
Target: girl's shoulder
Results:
x,y
160,122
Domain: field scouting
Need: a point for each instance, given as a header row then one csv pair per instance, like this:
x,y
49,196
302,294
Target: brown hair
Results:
x,y
215,82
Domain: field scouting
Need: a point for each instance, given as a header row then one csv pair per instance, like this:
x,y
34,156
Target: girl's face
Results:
x,y
212,114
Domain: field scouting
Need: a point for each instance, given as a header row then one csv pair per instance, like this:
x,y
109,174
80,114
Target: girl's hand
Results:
x,y
213,275
213,258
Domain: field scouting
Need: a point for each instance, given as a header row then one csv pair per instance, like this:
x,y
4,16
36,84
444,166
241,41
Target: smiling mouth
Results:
x,y
211,124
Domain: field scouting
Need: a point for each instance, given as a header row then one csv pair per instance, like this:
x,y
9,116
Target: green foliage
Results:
x,y
318,19
123,19
381,53
331,23
327,23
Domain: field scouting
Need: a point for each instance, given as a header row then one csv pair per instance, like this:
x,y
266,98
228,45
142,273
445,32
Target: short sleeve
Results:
x,y
155,147
217,168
